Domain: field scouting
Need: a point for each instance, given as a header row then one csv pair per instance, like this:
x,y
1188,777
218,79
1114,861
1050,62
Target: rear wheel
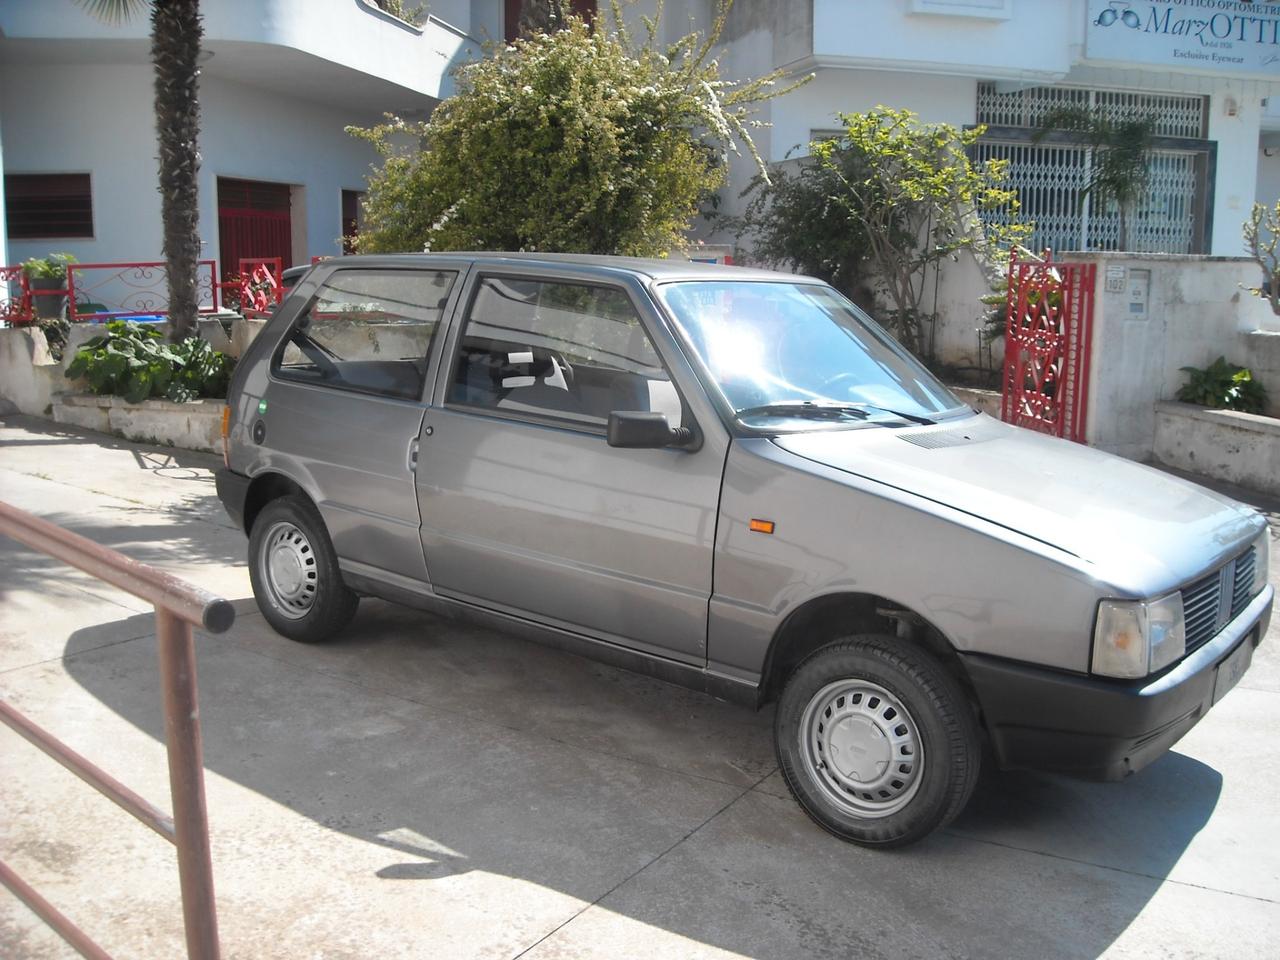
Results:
x,y
294,572
876,741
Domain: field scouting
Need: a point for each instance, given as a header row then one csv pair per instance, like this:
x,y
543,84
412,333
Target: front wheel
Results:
x,y
876,741
294,572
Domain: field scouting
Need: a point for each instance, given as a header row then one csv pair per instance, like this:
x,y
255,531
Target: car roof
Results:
x,y
653,269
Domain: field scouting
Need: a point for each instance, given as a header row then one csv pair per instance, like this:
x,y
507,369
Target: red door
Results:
x,y
253,221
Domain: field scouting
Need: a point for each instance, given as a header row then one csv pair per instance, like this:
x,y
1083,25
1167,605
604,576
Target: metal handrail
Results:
x,y
179,605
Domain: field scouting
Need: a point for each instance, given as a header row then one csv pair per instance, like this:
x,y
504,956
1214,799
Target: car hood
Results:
x,y
1139,529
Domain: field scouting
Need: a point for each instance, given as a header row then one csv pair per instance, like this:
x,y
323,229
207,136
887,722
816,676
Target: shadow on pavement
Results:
x,y
135,532
457,749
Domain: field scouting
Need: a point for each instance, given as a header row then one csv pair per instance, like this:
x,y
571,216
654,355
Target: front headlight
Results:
x,y
1133,638
1261,563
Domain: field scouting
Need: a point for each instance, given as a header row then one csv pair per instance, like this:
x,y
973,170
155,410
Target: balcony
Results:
x,y
344,52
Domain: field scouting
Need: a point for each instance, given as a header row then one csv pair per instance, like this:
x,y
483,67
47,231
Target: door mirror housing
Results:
x,y
647,429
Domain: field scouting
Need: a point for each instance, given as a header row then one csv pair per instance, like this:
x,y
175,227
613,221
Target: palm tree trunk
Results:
x,y
175,48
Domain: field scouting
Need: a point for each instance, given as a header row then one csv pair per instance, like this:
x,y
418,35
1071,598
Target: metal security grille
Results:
x,y
1176,116
1050,177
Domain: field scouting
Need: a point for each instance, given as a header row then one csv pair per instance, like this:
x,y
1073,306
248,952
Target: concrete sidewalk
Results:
x,y
424,789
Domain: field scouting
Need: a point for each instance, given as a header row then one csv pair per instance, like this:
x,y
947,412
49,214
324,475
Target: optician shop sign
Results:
x,y
1221,36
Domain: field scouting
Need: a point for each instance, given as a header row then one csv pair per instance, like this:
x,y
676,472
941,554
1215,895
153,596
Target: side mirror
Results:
x,y
643,428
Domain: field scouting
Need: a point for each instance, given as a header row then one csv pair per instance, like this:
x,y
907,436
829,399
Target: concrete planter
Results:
x,y
29,376
1242,448
988,401
191,426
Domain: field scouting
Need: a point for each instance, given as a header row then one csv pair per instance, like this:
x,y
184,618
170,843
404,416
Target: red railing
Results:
x,y
15,297
261,285
102,291
178,606
1048,337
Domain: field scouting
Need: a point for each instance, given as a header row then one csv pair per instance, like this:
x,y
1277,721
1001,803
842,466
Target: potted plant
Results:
x,y
45,274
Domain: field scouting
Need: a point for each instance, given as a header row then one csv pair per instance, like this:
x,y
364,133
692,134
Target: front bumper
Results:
x,y
233,490
1103,729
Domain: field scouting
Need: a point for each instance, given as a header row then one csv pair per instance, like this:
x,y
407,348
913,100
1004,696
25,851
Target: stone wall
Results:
x,y
1241,448
29,376
192,426
1156,313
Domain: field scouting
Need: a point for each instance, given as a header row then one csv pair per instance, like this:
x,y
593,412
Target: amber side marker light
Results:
x,y
226,437
761,526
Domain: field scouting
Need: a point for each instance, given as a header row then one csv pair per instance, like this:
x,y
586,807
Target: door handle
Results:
x,y
411,456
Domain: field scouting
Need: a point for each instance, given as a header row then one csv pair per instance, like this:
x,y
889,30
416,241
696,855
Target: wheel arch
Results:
x,y
266,487
823,619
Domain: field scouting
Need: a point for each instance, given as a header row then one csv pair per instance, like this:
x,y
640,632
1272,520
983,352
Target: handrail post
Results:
x,y
186,783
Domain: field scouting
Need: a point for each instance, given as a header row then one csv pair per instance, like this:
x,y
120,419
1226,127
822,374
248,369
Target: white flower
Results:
x,y
526,89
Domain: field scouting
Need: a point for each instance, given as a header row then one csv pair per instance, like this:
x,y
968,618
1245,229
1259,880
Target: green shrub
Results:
x,y
575,141
135,362
52,267
1223,386
877,208
401,10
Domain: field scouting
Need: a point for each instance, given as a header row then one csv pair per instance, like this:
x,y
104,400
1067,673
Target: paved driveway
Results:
x,y
425,789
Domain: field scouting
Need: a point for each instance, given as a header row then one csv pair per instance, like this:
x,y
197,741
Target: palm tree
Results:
x,y
176,31
1121,161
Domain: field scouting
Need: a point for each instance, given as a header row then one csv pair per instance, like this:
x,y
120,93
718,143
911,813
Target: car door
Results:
x,y
344,404
526,508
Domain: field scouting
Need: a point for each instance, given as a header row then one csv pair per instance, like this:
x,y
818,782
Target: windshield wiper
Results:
x,y
825,410
803,408
913,417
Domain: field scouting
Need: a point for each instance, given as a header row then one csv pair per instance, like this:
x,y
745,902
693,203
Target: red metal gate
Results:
x,y
254,222
1048,334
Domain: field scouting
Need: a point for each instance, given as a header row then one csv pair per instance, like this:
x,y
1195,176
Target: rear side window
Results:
x,y
564,350
368,330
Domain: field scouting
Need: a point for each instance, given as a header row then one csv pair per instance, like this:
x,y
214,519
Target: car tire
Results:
x,y
876,741
294,572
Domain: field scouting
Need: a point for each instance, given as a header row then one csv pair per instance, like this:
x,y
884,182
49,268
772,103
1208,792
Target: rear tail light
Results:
x,y
226,436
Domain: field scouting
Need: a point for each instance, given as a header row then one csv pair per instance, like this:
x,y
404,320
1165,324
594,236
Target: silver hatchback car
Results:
x,y
734,480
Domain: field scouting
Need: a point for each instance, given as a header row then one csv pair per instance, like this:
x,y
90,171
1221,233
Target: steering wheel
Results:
x,y
548,361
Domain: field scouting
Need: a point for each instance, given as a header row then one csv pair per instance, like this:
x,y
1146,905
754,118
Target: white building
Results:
x,y
1207,70
280,80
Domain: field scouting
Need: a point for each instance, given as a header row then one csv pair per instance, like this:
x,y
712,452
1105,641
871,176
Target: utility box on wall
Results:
x,y
1153,315
1138,290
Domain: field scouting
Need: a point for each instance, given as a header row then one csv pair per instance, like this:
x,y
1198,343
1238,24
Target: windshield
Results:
x,y
782,351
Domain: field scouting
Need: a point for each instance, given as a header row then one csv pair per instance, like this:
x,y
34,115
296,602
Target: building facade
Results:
x,y
280,80
1206,71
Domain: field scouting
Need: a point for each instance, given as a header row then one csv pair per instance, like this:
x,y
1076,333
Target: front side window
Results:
x,y
368,330
788,355
570,351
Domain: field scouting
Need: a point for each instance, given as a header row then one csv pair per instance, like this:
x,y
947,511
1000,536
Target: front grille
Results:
x,y
1203,601
1200,603
1244,582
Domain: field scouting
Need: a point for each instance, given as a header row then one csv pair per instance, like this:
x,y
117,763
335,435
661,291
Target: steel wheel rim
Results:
x,y
288,567
862,748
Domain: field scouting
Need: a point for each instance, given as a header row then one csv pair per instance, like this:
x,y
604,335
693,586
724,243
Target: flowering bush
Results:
x,y
878,209
573,141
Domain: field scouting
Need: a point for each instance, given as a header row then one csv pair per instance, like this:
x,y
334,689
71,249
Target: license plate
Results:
x,y
1232,669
